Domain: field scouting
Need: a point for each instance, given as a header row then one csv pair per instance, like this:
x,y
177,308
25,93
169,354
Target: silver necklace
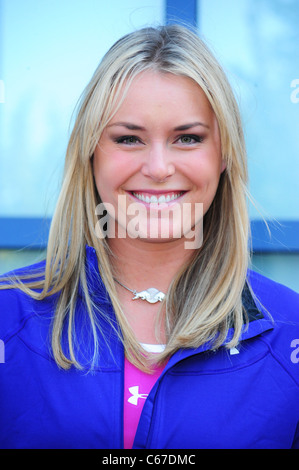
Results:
x,y
151,295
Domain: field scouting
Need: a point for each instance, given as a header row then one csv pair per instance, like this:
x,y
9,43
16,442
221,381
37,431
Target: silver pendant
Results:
x,y
151,295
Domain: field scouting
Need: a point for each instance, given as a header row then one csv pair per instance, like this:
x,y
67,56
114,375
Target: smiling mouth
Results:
x,y
165,198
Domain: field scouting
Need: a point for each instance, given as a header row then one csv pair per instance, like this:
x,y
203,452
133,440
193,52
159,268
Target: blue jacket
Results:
x,y
203,399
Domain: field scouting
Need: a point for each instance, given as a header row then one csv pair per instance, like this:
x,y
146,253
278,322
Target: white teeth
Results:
x,y
154,199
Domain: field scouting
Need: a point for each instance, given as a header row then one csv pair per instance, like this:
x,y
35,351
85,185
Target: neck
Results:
x,y
140,264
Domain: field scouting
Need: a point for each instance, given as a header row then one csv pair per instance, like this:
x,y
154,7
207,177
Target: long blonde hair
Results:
x,y
204,299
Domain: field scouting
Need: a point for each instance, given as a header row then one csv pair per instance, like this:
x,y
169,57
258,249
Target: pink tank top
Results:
x,y
137,386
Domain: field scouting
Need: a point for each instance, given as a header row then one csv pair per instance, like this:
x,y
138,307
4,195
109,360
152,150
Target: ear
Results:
x,y
223,165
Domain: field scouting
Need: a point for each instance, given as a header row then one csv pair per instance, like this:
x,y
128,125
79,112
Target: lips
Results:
x,y
157,198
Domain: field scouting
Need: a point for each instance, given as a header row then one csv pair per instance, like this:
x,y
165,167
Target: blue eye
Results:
x,y
189,139
127,139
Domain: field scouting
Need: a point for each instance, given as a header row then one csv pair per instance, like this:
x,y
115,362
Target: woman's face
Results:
x,y
159,158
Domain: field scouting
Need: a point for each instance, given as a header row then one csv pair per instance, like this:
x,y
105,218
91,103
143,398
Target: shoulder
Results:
x,y
24,273
17,306
282,304
279,300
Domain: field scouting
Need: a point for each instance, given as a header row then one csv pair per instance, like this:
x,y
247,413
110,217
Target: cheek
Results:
x,y
104,173
103,178
205,171
97,173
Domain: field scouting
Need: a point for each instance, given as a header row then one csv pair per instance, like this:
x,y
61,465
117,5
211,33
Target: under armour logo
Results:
x,y
136,395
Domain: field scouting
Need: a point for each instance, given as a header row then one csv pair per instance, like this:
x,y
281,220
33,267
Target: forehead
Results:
x,y
161,95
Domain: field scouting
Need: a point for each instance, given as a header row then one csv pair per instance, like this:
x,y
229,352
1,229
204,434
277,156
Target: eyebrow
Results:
x,y
128,125
135,127
185,127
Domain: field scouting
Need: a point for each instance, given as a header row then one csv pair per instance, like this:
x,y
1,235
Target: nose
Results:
x,y
158,165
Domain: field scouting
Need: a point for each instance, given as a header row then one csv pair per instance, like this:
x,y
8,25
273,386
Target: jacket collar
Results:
x,y
97,286
258,323
253,312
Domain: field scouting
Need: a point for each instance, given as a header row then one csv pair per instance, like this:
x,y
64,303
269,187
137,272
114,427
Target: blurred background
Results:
x,y
50,48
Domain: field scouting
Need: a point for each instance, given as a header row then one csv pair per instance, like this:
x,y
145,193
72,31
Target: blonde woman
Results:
x,y
144,327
